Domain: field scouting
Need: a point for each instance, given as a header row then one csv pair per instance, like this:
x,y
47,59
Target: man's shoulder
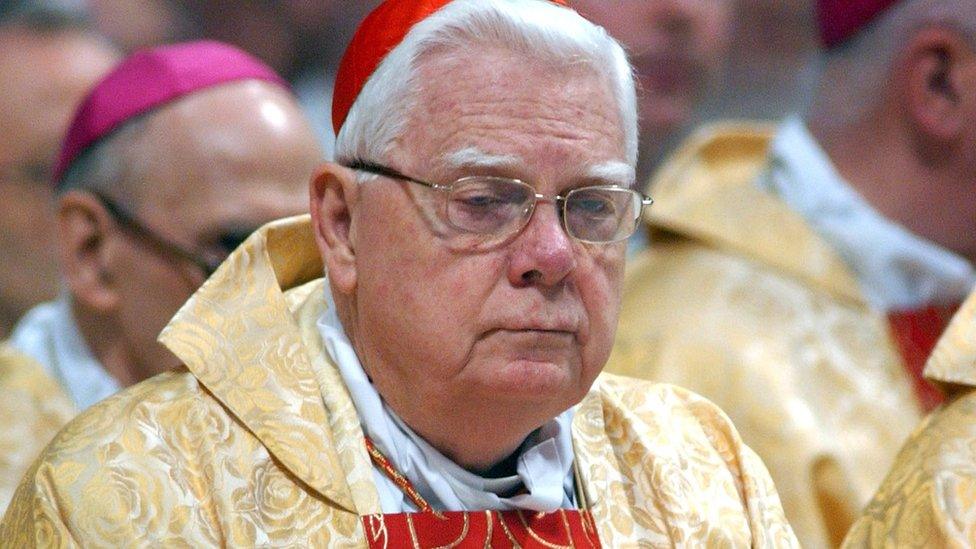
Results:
x,y
684,288
667,447
657,404
32,403
944,444
933,481
33,407
680,266
170,400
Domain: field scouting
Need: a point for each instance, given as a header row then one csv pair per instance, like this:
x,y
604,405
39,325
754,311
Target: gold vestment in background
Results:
x,y
929,497
33,407
739,300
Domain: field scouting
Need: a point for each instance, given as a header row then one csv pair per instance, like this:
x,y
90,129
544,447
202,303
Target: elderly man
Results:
x,y
927,498
442,386
777,257
49,58
677,48
172,160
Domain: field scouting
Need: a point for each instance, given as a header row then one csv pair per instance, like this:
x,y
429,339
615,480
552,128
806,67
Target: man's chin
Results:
x,y
534,379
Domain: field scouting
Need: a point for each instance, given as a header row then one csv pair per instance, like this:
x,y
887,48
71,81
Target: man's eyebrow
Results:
x,y
613,172
472,158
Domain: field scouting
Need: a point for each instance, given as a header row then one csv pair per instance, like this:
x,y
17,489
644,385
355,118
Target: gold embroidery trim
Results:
x,y
533,535
452,545
401,481
508,533
407,488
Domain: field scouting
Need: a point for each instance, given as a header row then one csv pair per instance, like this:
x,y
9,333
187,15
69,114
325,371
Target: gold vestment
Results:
x,y
259,443
739,300
33,407
928,498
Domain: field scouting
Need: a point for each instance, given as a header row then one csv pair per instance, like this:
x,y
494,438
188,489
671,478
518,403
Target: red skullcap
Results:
x,y
840,20
378,35
149,79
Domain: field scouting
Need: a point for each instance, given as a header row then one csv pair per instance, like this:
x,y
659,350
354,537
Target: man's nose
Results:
x,y
544,254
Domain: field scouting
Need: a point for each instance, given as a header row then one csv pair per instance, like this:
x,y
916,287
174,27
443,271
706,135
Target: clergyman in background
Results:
x,y
172,160
800,275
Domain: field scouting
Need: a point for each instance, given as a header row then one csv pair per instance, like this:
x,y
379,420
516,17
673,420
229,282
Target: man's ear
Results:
x,y
935,68
84,227
334,192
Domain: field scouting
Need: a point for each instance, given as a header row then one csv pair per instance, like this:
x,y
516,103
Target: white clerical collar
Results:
x,y
897,270
48,334
544,468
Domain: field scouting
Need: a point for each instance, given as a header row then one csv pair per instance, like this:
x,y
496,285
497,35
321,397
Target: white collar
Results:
x,y
544,468
48,334
896,269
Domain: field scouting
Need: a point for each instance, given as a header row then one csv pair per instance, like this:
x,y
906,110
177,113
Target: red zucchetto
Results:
x,y
840,20
149,79
378,35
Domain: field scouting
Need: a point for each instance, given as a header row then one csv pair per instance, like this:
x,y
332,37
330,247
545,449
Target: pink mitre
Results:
x,y
149,79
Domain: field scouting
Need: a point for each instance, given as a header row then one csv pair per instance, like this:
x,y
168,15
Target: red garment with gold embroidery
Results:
x,y
916,333
480,529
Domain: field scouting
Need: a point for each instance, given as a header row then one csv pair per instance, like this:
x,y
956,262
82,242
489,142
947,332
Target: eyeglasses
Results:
x,y
208,265
501,207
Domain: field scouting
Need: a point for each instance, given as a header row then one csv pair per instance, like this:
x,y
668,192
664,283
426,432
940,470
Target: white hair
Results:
x,y
535,28
855,74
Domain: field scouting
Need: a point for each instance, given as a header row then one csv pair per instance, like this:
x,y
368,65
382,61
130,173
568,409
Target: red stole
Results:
x,y
480,529
472,529
916,332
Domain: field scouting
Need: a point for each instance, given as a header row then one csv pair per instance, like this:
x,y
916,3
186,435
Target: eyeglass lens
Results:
x,y
495,205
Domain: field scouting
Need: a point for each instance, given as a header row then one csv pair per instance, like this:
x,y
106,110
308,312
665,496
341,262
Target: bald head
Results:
x,y
197,174
241,152
44,72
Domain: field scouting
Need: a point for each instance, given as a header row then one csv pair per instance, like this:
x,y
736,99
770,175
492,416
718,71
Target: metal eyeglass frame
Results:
x,y
384,171
130,223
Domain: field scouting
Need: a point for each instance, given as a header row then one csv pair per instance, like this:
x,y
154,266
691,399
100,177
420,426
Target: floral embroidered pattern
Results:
x,y
771,327
33,407
258,443
929,497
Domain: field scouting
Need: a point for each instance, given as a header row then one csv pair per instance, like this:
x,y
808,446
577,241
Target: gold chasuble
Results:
x,y
33,407
929,497
258,443
738,299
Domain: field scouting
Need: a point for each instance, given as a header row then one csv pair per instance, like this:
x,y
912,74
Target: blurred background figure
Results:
x,y
800,274
49,57
172,161
135,24
772,63
678,49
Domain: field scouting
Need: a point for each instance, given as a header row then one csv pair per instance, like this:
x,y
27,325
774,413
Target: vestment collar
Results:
x,y
897,269
49,334
240,338
707,191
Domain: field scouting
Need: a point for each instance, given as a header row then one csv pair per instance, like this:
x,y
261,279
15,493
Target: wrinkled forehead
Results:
x,y
520,116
